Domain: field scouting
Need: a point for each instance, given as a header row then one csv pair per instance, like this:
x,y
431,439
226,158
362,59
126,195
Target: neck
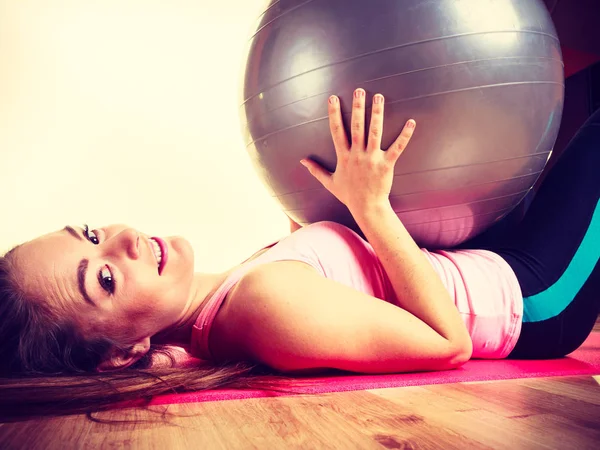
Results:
x,y
203,287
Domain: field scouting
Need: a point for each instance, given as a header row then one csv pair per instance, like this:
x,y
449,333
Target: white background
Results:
x,y
126,111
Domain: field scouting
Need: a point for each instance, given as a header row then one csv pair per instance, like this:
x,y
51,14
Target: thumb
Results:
x,y
317,171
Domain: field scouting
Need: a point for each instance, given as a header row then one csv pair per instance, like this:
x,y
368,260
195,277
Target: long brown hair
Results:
x,y
47,368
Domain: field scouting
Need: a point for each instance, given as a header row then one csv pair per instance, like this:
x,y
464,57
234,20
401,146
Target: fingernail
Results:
x,y
303,162
359,93
378,99
410,124
333,100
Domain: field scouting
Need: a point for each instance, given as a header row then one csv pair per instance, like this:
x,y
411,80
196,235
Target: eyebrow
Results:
x,y
81,268
73,233
81,272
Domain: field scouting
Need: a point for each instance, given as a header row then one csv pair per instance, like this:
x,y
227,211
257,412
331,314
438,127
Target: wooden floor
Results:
x,y
557,413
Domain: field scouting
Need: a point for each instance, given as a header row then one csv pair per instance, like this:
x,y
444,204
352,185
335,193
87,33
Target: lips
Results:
x,y
161,252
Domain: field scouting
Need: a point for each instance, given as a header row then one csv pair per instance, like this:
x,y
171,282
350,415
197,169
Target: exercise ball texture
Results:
x,y
482,78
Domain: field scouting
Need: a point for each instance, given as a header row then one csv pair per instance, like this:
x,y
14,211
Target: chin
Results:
x,y
183,248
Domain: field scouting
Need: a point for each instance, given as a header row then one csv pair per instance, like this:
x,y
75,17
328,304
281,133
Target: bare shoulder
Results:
x,y
268,278
258,306
272,309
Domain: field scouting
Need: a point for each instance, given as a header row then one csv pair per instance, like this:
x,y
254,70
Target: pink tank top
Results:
x,y
484,287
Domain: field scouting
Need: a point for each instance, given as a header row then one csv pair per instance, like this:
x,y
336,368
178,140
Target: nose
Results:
x,y
123,244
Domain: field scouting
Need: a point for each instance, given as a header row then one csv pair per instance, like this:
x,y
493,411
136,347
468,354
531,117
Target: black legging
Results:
x,y
554,252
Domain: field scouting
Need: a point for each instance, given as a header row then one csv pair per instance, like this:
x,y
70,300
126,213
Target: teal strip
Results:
x,y
557,297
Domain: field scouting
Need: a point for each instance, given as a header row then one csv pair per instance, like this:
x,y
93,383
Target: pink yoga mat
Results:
x,y
583,361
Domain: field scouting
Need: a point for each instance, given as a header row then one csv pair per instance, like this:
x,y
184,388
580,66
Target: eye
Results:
x,y
90,235
106,280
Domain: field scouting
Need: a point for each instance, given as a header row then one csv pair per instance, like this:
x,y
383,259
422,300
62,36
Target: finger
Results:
x,y
376,127
397,148
358,119
336,126
319,172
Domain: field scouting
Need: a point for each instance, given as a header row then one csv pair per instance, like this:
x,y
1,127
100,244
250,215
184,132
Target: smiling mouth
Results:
x,y
161,252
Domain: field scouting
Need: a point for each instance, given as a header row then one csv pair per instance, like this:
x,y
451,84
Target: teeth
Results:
x,y
157,252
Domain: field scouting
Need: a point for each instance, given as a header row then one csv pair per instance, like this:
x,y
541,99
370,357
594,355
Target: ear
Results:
x,y
120,359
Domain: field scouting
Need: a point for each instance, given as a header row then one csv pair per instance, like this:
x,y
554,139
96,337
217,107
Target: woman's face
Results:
x,y
109,280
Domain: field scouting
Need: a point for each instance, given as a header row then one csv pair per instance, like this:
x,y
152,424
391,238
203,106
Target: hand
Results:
x,y
364,173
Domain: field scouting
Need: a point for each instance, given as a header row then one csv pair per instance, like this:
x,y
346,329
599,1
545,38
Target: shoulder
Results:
x,y
268,314
269,280
260,302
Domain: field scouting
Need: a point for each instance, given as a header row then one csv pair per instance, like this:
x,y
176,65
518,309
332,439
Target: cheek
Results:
x,y
139,306
139,299
166,295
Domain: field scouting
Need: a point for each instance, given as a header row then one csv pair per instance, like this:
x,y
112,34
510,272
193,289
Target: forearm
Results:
x,y
417,286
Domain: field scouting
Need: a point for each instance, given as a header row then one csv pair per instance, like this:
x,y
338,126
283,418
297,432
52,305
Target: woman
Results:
x,y
99,302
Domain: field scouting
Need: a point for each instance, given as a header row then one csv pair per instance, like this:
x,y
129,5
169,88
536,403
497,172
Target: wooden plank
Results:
x,y
528,413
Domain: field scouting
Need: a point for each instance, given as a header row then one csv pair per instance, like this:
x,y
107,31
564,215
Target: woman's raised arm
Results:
x,y
362,181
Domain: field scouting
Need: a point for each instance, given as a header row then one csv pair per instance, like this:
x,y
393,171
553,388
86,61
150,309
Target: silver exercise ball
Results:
x,y
482,78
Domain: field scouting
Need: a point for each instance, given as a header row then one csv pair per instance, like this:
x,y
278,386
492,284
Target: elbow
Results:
x,y
461,354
